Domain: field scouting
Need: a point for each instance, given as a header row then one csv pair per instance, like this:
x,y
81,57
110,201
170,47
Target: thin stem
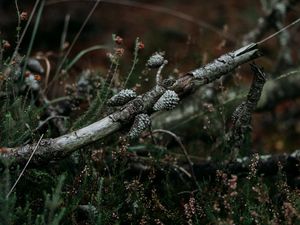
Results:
x,y
280,31
64,33
19,21
1,58
48,69
61,48
60,99
82,53
34,32
48,119
184,151
22,172
158,74
159,9
73,42
135,61
110,84
25,98
24,31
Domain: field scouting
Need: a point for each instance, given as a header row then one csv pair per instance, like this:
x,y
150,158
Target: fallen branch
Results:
x,y
57,148
285,87
267,165
242,115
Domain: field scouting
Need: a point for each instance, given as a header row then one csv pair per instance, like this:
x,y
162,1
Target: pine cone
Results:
x,y
141,123
122,97
167,101
156,60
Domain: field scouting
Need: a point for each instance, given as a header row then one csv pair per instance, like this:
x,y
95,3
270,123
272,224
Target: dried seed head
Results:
x,y
119,51
167,101
156,60
122,97
34,66
6,44
32,82
23,16
118,40
37,77
141,123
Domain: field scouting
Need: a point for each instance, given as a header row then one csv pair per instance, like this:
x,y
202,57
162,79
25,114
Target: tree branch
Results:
x,y
57,148
242,115
285,87
267,165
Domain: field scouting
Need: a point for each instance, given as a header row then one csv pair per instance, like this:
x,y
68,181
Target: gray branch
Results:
x,y
267,165
242,116
274,92
224,64
60,147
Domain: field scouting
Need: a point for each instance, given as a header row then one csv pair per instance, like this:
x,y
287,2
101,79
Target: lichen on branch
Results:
x,y
62,146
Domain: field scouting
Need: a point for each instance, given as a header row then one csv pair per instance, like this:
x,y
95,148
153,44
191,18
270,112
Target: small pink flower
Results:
x,y
23,16
141,45
118,40
233,182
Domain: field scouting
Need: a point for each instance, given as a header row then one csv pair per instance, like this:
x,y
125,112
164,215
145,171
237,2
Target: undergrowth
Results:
x,y
111,191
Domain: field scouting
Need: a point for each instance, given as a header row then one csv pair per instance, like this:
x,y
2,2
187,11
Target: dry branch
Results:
x,y
57,148
283,88
242,115
275,91
267,165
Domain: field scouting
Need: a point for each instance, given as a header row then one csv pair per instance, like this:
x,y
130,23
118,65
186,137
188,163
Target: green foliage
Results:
x,y
81,54
7,204
94,110
103,188
53,212
134,61
18,207
34,33
17,124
